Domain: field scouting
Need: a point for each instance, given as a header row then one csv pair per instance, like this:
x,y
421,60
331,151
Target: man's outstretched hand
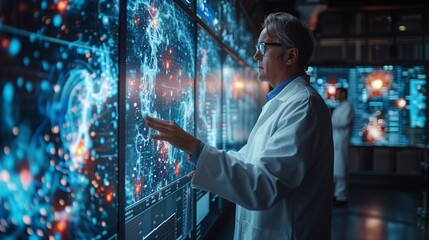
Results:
x,y
172,133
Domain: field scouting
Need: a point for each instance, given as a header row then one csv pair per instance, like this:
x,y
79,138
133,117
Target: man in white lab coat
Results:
x,y
342,121
281,180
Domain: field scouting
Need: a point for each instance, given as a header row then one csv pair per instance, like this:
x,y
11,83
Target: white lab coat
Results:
x,y
281,180
342,120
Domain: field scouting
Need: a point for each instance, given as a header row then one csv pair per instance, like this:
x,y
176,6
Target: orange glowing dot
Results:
x,y
401,103
137,188
62,5
109,197
375,132
155,23
25,177
61,226
377,83
80,148
331,90
239,85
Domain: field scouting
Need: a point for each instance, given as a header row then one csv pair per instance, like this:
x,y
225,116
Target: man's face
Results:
x,y
269,65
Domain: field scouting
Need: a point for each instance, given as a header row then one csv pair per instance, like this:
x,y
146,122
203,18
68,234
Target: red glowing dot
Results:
x,y
25,177
176,168
22,7
5,43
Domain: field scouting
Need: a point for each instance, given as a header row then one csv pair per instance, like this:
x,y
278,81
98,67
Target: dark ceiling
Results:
x,y
309,9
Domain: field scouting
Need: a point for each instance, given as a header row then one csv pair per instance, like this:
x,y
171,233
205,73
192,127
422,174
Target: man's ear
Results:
x,y
291,56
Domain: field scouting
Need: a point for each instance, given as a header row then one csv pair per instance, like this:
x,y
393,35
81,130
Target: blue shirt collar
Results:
x,y
273,93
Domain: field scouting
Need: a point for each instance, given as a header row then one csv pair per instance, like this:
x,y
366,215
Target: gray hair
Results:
x,y
291,32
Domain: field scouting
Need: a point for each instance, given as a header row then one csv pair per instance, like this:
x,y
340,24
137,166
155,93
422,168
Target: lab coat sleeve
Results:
x,y
343,118
273,172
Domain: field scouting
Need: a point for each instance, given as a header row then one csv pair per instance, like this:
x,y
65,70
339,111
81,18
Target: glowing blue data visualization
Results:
x,y
389,101
208,90
58,94
246,39
160,74
229,24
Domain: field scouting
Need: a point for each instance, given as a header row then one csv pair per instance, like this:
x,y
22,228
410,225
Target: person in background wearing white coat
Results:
x,y
342,122
281,180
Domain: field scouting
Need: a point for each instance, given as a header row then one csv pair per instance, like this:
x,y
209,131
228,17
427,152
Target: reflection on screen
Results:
x,y
160,74
58,94
389,101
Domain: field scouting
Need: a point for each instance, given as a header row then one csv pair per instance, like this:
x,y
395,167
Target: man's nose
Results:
x,y
257,56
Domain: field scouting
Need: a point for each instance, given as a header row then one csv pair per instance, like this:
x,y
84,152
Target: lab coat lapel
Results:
x,y
271,106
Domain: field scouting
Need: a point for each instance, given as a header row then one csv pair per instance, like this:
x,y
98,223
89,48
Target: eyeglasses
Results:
x,y
261,47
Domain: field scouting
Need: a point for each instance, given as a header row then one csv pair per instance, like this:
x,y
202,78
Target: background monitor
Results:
x,y
389,101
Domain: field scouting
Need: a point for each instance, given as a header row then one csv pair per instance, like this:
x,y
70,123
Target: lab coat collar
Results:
x,y
293,87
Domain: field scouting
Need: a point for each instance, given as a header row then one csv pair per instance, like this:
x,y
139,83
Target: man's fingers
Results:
x,y
159,125
161,137
157,137
156,121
